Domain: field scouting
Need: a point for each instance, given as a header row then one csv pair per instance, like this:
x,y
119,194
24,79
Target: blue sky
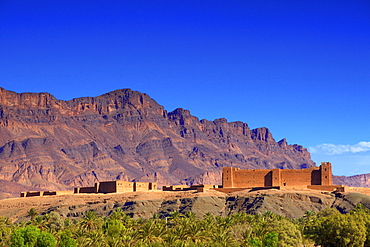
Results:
x,y
300,68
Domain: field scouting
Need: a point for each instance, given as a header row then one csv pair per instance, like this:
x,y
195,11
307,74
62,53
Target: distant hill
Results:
x,y
51,144
362,180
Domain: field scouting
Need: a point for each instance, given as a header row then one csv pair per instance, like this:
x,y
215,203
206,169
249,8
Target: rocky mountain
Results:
x,y
51,144
362,180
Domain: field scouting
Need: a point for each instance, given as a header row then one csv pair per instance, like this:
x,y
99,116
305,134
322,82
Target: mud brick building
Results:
x,y
320,178
194,187
45,193
117,187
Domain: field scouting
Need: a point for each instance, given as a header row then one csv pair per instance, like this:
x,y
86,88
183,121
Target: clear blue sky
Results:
x,y
300,68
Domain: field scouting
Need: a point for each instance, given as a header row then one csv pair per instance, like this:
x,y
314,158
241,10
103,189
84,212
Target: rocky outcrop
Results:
x,y
292,204
51,144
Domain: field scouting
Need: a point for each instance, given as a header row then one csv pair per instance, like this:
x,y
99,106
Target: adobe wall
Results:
x,y
117,187
249,178
106,187
152,186
84,190
294,177
114,187
44,193
141,186
31,193
175,187
339,188
125,186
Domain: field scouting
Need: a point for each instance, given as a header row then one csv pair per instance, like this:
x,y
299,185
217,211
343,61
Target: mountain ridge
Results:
x,y
51,144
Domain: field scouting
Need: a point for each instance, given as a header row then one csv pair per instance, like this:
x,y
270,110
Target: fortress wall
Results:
x,y
152,186
85,190
339,188
275,177
316,176
124,186
141,186
50,193
299,178
45,193
34,193
175,187
67,192
55,193
203,187
293,177
31,193
106,187
252,178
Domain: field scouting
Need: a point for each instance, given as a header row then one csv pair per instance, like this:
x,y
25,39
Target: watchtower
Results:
x,y
326,173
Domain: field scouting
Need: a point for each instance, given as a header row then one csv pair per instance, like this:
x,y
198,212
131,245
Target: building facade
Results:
x,y
314,177
117,187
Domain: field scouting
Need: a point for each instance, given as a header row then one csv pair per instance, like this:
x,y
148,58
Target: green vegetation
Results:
x,y
326,228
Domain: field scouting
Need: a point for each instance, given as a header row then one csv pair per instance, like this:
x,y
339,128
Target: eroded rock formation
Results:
x,y
51,144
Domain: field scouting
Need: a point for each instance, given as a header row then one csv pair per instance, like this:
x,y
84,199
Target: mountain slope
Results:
x,y
51,144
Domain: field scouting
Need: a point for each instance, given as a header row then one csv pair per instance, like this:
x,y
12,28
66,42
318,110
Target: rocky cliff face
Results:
x,y
51,144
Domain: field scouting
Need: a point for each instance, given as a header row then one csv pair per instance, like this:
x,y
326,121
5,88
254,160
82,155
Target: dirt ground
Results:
x,y
15,208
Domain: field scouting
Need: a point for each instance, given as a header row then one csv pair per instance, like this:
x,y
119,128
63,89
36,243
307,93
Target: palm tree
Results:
x,y
222,237
32,213
152,232
90,222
